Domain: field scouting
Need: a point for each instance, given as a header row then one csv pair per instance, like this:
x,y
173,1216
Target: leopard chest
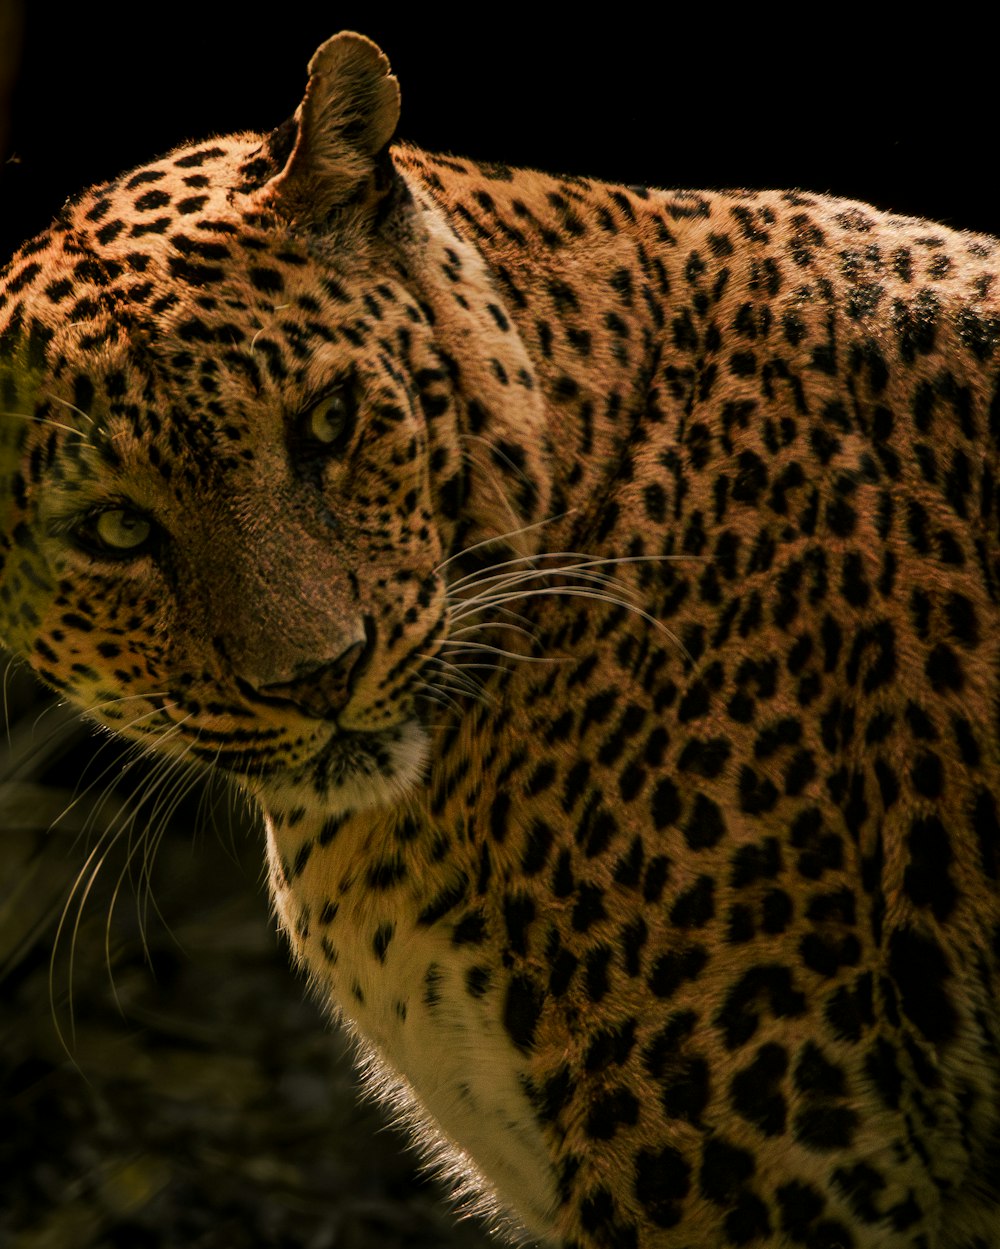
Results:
x,y
427,1013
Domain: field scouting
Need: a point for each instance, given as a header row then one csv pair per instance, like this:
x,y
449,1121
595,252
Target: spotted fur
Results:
x,y
675,924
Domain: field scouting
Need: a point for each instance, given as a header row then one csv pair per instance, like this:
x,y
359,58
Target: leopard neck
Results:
x,y
572,296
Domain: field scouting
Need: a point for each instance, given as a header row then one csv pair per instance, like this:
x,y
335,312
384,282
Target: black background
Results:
x,y
824,98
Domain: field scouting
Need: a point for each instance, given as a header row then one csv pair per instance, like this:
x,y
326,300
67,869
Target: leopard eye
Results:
x,y
116,531
327,419
327,426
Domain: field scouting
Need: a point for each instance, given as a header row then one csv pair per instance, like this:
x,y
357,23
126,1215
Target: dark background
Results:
x,y
200,1102
826,98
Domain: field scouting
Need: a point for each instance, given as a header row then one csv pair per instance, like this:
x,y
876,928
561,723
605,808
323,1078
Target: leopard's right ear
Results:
x,y
337,166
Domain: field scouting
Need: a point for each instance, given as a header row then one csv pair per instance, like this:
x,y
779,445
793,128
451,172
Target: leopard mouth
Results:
x,y
351,756
353,770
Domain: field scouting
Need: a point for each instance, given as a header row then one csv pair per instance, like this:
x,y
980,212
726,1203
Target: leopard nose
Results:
x,y
323,689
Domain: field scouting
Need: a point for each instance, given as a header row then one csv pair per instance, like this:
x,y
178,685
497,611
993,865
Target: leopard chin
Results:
x,y
353,771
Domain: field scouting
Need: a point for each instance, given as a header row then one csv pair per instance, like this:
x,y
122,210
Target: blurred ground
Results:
x,y
201,1101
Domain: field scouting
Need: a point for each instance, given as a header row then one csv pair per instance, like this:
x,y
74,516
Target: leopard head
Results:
x,y
237,390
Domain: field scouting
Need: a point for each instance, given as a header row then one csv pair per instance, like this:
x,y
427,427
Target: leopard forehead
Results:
x,y
145,270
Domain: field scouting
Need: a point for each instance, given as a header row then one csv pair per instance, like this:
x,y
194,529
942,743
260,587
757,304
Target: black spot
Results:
x,y
815,1074
657,874
724,1170
540,780
747,1220
470,929
706,757
986,826
849,1011
302,858
706,825
662,1181
695,906
655,502
962,622
801,1205
192,204
628,867
554,1094
432,986
671,970
536,851
633,937
610,1046
944,669
616,1108
765,985
518,913
198,157
755,1091
755,862
267,280
589,908
446,900
927,878
499,810
776,911
599,1216
595,977
477,981
381,940
150,200
740,923
387,873
522,1007
825,1127
686,1089
195,274
920,970
826,953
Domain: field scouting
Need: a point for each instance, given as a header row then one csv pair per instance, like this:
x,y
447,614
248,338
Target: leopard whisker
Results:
x,y
587,572
453,670
437,695
84,416
137,749
589,561
79,894
503,537
184,776
41,420
167,766
8,669
492,601
487,466
464,646
456,636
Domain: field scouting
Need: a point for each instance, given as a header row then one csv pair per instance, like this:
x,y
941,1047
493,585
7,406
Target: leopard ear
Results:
x,y
345,121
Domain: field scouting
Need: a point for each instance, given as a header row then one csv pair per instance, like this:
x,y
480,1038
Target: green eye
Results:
x,y
115,531
327,426
122,530
327,421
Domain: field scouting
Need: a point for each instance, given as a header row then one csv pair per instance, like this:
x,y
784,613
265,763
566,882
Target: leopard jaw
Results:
x,y
354,771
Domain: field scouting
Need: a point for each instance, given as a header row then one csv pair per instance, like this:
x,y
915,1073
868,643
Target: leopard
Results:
x,y
595,588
